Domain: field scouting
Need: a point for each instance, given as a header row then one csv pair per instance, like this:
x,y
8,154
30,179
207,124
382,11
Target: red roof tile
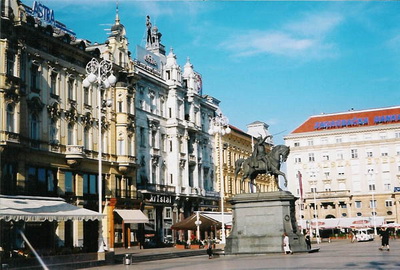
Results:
x,y
350,119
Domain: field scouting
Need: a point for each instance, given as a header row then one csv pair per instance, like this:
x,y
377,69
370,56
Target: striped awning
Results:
x,y
40,209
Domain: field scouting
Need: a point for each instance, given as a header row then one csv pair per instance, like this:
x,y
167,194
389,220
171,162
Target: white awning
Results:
x,y
42,208
132,216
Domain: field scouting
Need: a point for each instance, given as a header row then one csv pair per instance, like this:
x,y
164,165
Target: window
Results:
x,y
358,204
338,139
53,83
372,203
86,138
311,157
325,157
388,203
387,186
384,152
354,153
297,160
10,118
310,142
296,144
69,182
70,87
53,131
371,187
369,153
34,78
150,214
340,155
10,63
142,137
168,213
41,181
34,130
324,140
86,99
71,137
313,189
383,135
90,184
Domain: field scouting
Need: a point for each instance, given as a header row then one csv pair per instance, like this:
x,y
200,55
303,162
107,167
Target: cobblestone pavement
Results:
x,y
339,254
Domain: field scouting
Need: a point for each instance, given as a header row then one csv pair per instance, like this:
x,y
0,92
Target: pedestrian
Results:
x,y
286,244
353,236
308,241
385,239
209,248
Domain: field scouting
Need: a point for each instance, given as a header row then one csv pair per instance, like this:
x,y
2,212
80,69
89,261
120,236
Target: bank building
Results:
x,y
345,169
149,130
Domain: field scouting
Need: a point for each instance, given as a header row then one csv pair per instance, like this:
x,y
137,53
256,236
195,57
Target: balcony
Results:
x,y
192,160
156,188
9,137
125,163
73,154
328,194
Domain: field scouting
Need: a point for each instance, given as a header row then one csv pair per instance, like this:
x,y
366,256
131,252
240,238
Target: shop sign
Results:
x,y
148,58
45,15
342,123
157,198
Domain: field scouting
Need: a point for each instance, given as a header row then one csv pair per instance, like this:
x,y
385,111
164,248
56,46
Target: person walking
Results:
x,y
286,244
209,248
385,239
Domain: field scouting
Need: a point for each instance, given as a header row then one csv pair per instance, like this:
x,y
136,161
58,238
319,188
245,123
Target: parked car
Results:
x,y
363,235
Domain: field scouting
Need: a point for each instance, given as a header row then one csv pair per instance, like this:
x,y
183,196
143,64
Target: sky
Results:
x,y
278,62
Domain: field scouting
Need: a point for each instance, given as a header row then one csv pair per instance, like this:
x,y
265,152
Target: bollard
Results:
x,y
127,259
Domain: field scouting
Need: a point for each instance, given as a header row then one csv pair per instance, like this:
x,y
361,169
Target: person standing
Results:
x,y
308,241
286,244
385,239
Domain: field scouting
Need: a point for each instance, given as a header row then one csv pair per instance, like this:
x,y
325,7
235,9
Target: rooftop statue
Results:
x,y
149,39
263,162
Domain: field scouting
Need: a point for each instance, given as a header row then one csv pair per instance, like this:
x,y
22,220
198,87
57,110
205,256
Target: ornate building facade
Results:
x,y
156,150
347,165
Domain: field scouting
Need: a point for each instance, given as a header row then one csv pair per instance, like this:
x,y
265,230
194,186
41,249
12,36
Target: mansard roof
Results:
x,y
350,119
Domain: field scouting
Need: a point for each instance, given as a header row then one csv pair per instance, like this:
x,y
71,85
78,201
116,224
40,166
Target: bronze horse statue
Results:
x,y
275,157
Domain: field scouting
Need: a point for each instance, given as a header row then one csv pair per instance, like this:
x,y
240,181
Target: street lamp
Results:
x,y
219,127
100,73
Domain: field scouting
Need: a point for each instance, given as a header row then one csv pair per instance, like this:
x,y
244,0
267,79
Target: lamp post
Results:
x,y
371,172
100,73
219,127
316,217
198,223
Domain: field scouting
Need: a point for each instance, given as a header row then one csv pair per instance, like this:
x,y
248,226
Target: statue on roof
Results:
x,y
148,26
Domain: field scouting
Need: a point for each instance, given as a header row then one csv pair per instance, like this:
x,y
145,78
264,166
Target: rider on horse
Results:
x,y
259,153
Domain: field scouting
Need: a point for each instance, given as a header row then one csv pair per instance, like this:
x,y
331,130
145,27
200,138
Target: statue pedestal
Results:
x,y
259,221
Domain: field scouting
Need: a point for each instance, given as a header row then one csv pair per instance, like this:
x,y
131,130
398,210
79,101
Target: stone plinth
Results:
x,y
259,221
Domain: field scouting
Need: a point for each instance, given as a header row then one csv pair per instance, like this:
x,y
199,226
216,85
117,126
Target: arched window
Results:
x,y
86,138
53,131
71,137
10,118
34,127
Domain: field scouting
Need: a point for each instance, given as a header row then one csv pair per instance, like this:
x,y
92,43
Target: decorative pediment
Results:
x,y
54,110
71,115
87,119
34,103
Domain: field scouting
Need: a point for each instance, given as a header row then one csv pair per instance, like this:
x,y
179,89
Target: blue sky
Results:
x,y
278,62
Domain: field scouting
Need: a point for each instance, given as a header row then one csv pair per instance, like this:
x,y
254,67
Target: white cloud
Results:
x,y
304,38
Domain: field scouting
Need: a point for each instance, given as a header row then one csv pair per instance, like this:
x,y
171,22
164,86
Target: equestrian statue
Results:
x,y
263,162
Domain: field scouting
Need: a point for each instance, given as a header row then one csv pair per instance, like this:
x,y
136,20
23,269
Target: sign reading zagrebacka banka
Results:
x,y
356,121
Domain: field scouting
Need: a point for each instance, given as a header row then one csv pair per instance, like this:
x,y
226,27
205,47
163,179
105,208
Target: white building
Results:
x,y
350,162
174,149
